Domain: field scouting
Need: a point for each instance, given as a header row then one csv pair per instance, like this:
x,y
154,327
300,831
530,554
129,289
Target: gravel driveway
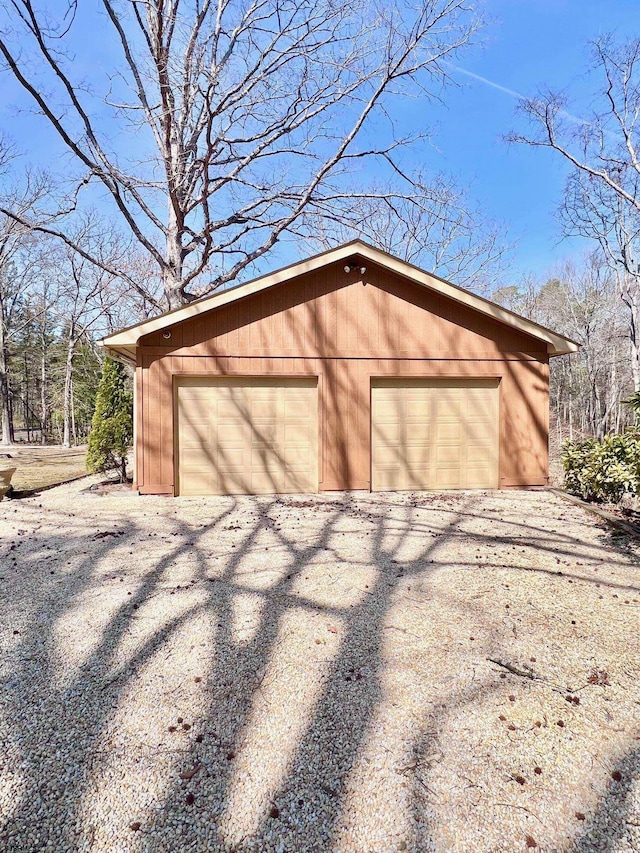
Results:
x,y
358,674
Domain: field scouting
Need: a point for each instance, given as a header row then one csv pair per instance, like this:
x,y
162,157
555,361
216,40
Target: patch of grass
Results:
x,y
37,467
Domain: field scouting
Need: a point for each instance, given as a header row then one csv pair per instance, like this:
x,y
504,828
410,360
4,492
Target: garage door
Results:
x,y
246,436
434,434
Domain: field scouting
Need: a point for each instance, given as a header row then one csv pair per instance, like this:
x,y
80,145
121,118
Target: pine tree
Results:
x,y
112,425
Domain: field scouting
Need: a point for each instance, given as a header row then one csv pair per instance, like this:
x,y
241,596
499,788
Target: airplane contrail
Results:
x,y
513,93
518,95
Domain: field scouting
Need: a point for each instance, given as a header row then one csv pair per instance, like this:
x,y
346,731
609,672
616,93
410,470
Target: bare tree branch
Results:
x,y
595,145
241,121
602,199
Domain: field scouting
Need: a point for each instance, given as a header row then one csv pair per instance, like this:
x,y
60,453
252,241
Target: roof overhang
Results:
x,y
122,345
124,354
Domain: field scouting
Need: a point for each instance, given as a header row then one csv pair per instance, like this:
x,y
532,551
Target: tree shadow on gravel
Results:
x,y
56,730
615,826
301,813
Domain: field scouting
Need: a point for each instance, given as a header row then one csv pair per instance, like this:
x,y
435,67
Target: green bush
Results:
x,y
112,424
603,470
634,404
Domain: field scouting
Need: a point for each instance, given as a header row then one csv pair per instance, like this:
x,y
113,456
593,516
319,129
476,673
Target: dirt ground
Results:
x,y
40,466
348,673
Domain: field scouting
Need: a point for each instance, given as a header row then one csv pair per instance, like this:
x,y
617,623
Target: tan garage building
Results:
x,y
350,370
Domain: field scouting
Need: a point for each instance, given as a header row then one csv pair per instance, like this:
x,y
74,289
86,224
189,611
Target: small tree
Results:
x,y
112,425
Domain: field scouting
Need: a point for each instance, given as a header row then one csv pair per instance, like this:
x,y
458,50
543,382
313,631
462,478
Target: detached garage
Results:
x,y
350,370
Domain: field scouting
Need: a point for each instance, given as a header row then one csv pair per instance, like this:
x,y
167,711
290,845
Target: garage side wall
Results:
x,y
346,331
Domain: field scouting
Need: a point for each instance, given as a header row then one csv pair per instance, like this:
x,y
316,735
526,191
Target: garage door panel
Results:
x,y
418,409
303,483
195,452
447,409
195,434
300,480
196,395
246,435
198,483
480,407
231,410
448,454
388,431
414,453
477,478
296,462
434,434
477,454
298,432
416,476
199,414
295,407
389,479
263,432
479,424
387,403
478,437
256,485
448,431
447,478
388,455
415,438
266,459
296,455
479,428
231,483
260,409
230,458
227,432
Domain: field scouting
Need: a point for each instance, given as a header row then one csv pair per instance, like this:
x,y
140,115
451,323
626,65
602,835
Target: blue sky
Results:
x,y
526,44
541,42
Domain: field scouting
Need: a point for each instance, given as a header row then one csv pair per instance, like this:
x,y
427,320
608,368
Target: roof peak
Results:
x,y
123,344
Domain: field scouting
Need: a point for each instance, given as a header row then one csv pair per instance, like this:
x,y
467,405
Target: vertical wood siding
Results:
x,y
346,331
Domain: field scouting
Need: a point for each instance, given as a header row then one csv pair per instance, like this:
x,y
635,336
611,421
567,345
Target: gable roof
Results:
x,y
122,345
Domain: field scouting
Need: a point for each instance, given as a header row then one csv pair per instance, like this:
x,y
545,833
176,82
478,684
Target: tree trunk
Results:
x,y
570,418
5,403
174,264
74,433
68,390
27,421
634,333
43,392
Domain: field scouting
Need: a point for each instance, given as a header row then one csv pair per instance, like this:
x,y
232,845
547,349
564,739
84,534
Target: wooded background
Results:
x,y
55,305
224,129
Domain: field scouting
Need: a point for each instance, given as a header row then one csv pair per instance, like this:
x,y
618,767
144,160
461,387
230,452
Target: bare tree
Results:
x,y
18,257
436,228
586,304
603,191
41,304
68,301
604,145
244,119
50,293
85,299
7,230
592,209
588,388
